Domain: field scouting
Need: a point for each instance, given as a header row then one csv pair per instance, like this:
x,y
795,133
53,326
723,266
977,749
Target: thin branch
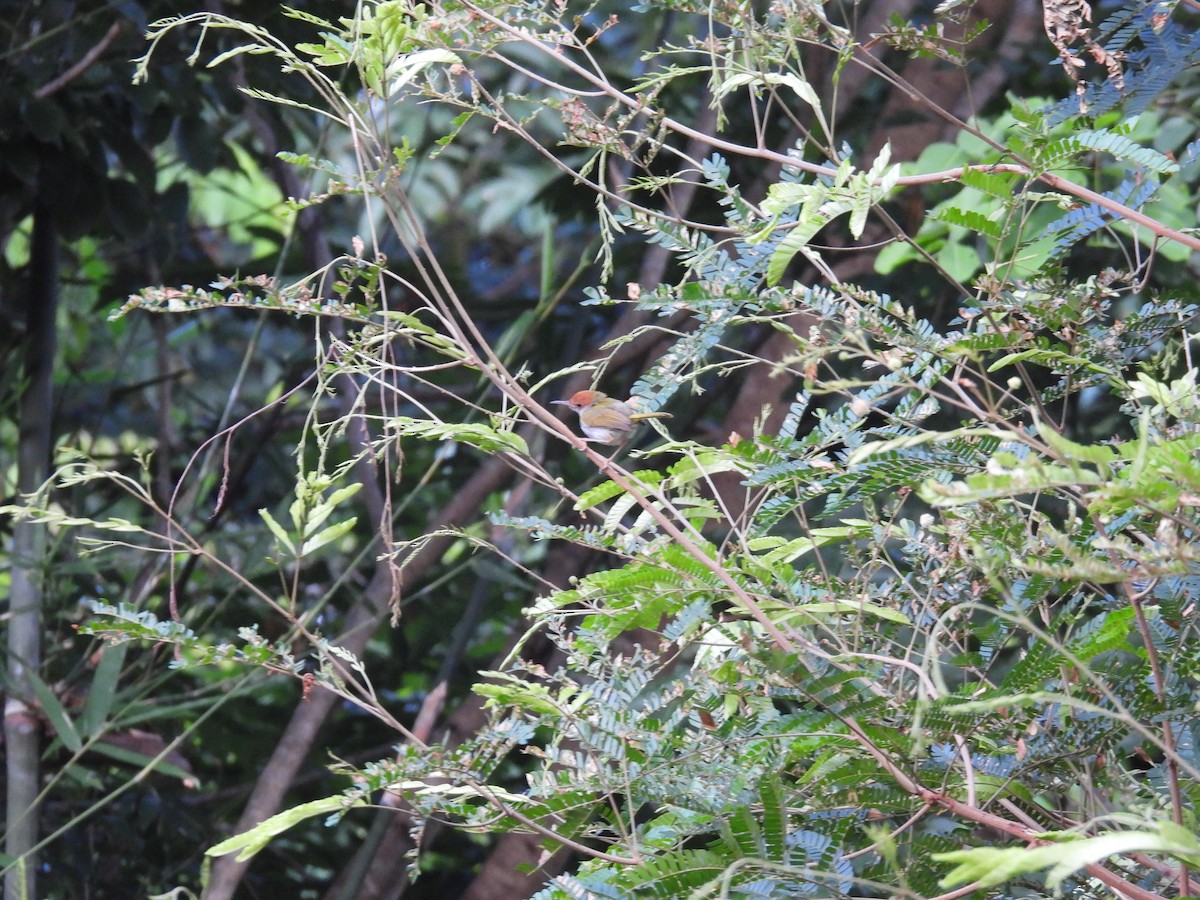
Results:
x,y
1171,753
1055,181
56,84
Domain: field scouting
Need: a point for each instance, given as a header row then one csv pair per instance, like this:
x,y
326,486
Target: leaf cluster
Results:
x,y
945,601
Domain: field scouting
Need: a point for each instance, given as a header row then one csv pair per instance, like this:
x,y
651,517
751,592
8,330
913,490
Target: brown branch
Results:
x,y
383,864
58,83
1160,692
1055,181
361,623
982,817
369,612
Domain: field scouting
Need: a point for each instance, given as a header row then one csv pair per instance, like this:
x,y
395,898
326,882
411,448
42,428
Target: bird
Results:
x,y
604,419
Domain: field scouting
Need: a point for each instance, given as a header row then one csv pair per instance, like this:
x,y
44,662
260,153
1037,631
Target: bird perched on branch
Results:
x,y
604,419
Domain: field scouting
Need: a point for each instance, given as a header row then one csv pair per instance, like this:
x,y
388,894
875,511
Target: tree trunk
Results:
x,y
22,728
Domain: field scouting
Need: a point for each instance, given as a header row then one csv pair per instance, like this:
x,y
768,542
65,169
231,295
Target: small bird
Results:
x,y
605,420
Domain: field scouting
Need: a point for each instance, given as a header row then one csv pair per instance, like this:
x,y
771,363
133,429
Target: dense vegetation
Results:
x,y
900,601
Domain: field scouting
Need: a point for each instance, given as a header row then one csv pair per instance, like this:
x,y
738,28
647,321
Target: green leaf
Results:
x,y
252,49
999,186
895,255
328,536
1123,148
488,439
865,452
990,866
1095,454
702,464
796,242
103,691
281,535
970,219
332,53
510,690
849,607
458,792
1006,477
142,761
643,479
1029,698
405,68
341,495
799,86
1046,357
60,720
783,195
960,261
250,842
323,510
285,101
788,551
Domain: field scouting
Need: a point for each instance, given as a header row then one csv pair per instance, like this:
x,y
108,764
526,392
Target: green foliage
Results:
x,y
308,513
843,191
989,866
251,842
952,586
995,221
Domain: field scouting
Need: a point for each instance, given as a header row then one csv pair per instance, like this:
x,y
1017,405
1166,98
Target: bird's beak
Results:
x,y
563,402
